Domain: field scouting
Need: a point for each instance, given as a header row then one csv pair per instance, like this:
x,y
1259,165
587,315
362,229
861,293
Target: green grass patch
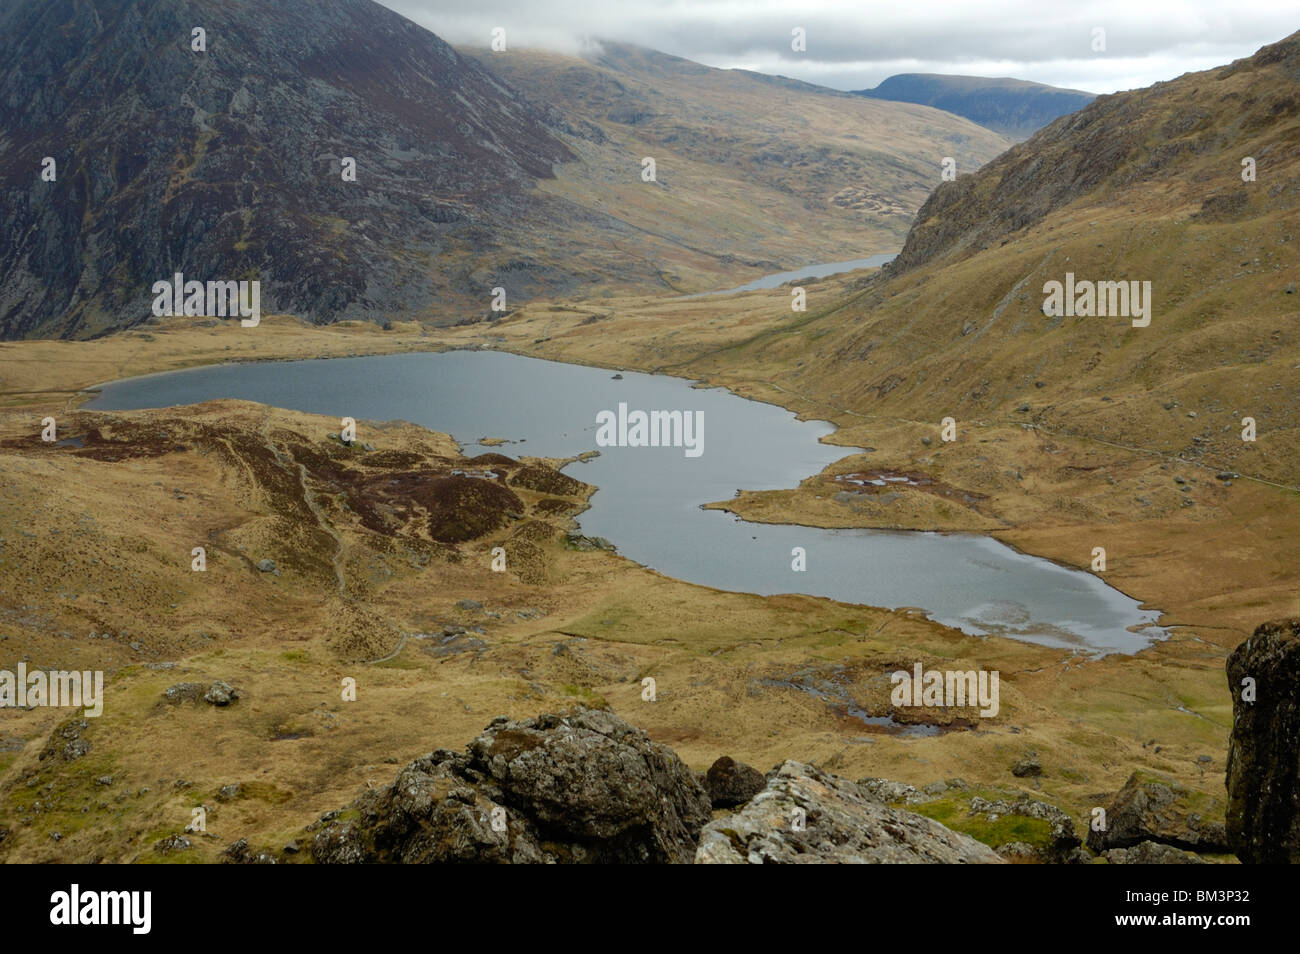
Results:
x,y
954,812
588,697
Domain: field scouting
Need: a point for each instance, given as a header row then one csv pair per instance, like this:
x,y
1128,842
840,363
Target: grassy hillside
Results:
x,y
366,587
1073,432
754,174
1143,186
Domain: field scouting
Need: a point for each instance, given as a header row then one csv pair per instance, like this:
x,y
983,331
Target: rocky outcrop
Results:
x,y
1149,808
806,816
585,786
731,783
1263,779
582,786
1152,853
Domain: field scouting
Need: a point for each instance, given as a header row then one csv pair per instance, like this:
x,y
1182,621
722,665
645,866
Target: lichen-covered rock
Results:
x,y
730,783
887,790
1152,853
806,816
220,694
1149,808
581,786
1263,778
183,692
239,853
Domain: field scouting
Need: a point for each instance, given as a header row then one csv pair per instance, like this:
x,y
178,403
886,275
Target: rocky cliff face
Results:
x,y
227,163
1154,810
1264,755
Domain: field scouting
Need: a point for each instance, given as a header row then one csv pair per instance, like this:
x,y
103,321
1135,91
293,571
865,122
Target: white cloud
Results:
x,y
852,45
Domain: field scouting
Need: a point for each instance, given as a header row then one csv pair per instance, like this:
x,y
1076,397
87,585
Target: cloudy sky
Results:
x,y
854,45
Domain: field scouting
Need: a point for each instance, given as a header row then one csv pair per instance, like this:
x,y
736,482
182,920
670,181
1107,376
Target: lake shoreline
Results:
x,y
289,340
653,506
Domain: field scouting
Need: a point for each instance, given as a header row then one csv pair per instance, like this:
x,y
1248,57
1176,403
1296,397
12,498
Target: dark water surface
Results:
x,y
649,498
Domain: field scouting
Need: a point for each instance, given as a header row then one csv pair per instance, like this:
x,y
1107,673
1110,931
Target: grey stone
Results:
x,y
807,816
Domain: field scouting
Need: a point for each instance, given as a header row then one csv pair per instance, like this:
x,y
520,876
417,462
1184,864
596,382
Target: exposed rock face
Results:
x,y
220,694
841,823
582,786
730,783
1152,853
1264,755
585,786
1027,767
227,163
1149,808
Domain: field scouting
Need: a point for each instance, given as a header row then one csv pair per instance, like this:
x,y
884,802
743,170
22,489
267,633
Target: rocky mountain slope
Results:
x,y
1145,186
1015,108
227,163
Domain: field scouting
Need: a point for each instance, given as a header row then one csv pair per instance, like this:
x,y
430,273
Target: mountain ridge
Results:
x,y
1013,107
226,164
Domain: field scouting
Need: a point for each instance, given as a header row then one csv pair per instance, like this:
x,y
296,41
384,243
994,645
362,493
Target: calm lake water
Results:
x,y
649,499
821,270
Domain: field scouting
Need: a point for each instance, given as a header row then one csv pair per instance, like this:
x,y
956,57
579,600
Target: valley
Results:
x,y
478,453
753,676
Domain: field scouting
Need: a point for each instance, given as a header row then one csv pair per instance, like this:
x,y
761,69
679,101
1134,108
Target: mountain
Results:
x,y
1015,108
1139,186
226,164
764,171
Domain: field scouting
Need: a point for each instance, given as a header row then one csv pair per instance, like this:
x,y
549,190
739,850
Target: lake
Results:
x,y
820,270
649,499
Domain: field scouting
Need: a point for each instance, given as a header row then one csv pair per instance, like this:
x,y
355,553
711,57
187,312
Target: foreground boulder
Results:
x,y
1263,818
1152,853
581,786
806,816
1150,808
731,783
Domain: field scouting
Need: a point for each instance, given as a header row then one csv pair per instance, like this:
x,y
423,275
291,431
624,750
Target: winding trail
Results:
x,y
309,498
339,559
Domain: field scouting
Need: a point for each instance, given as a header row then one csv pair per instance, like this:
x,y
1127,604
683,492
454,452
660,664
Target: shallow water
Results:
x,y
776,279
649,499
